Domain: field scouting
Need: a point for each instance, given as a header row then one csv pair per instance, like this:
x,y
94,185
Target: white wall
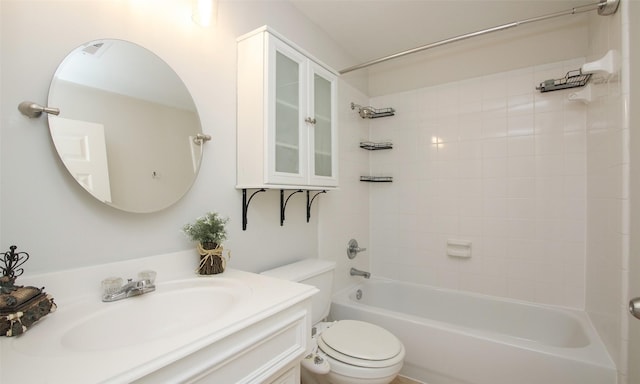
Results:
x,y
44,212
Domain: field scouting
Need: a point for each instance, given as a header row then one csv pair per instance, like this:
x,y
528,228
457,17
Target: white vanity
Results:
x,y
236,327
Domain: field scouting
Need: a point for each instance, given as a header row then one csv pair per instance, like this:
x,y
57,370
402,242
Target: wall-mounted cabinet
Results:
x,y
286,117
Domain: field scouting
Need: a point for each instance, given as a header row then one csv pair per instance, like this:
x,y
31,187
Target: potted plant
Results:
x,y
209,232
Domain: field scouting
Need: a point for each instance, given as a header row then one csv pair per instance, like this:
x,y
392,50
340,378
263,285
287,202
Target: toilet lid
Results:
x,y
361,344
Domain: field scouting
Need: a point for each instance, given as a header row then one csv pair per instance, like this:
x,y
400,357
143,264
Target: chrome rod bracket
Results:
x,y
608,7
201,138
31,109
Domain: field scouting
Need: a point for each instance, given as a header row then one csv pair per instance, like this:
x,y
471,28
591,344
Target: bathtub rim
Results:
x,y
594,353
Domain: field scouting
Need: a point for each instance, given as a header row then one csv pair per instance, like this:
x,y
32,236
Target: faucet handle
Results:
x,y
353,248
112,284
147,275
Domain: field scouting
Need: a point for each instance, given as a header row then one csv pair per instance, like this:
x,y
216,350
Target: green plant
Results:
x,y
208,228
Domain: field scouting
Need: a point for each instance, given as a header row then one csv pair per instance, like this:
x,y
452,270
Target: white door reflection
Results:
x,y
81,146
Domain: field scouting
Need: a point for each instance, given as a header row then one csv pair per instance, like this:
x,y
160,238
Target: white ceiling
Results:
x,y
370,29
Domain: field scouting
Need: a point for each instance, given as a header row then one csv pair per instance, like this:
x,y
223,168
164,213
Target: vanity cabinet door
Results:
x,y
291,376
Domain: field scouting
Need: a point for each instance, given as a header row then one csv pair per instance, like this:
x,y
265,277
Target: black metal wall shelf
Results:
x,y
371,146
370,112
283,202
377,179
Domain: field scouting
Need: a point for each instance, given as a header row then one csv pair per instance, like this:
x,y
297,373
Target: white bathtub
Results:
x,y
463,338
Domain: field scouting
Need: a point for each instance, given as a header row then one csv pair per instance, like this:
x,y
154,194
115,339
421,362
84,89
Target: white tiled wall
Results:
x,y
607,251
493,161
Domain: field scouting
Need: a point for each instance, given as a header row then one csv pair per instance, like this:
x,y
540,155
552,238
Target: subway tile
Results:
x,y
521,146
521,187
494,126
494,187
520,104
496,147
549,144
521,166
575,142
521,209
470,150
548,123
494,86
494,167
520,125
470,126
520,82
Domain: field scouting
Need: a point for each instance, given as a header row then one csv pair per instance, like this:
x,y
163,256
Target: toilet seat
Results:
x,y
361,344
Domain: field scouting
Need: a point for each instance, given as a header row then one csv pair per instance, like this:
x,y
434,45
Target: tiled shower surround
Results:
x,y
489,160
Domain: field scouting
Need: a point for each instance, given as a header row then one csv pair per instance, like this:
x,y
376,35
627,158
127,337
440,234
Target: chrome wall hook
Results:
x,y
31,109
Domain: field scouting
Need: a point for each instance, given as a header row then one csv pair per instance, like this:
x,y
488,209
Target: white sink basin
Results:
x,y
172,309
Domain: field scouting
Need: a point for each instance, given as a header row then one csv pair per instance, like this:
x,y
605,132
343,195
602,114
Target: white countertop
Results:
x,y
40,355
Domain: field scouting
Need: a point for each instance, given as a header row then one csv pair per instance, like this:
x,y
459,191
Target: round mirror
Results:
x,y
128,129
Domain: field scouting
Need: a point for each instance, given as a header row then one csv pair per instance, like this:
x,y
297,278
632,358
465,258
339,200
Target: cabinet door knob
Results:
x,y
634,307
310,120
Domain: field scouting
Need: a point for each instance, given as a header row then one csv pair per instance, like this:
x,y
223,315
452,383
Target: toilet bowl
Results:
x,y
344,351
360,352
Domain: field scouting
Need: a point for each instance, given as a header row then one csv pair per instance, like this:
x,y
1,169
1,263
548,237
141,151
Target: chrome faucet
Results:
x,y
113,288
357,272
353,248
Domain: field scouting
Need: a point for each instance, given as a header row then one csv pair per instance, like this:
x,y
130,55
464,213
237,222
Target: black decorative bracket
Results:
x,y
245,205
283,203
310,201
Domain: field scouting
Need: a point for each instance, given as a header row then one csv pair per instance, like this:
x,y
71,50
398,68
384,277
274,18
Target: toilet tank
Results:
x,y
315,272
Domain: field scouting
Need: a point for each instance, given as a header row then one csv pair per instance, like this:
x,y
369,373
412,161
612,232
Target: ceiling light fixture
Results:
x,y
204,12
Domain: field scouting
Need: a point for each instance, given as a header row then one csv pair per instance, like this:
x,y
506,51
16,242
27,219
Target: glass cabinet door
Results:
x,y
288,100
287,115
323,139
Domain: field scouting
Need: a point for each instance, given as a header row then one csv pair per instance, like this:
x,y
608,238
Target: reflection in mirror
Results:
x,y
126,127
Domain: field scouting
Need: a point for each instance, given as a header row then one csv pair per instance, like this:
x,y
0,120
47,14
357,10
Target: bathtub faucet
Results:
x,y
357,272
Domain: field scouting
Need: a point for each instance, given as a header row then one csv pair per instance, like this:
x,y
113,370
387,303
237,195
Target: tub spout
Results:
x,y
357,272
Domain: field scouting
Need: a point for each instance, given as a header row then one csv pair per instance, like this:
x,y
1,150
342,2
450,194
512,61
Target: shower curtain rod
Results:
x,y
604,7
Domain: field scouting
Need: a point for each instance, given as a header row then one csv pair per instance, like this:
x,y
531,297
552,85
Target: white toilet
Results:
x,y
356,352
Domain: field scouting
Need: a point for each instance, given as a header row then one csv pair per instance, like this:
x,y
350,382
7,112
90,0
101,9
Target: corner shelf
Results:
x,y
371,146
377,179
370,112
